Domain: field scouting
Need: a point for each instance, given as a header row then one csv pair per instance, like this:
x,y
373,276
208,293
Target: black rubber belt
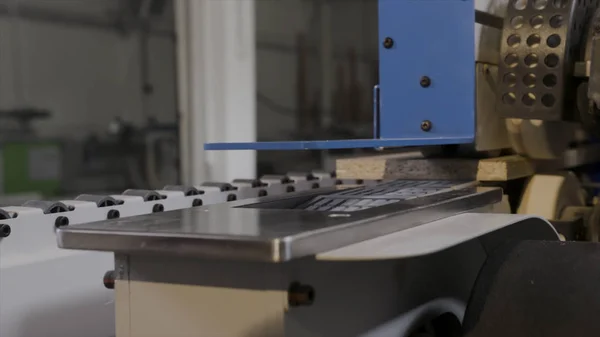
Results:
x,y
537,288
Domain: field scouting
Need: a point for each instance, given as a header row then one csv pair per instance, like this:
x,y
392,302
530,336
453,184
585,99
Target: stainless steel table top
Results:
x,y
245,230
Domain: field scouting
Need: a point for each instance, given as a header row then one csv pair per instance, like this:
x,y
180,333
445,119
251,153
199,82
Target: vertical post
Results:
x,y
217,87
326,63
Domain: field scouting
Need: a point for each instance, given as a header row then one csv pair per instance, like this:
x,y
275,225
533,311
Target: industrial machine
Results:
x,y
312,254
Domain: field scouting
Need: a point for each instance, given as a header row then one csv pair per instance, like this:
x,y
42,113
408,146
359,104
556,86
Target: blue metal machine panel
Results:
x,y
434,40
426,94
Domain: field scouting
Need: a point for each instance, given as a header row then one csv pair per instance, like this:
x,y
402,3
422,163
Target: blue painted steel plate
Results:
x,y
433,39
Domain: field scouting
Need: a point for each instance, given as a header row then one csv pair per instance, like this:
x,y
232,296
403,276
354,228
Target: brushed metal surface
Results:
x,y
241,231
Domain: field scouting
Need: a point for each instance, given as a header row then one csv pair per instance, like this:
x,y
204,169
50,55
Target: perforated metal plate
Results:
x,y
358,199
541,40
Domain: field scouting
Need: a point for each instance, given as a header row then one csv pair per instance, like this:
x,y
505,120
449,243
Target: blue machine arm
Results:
x,y
426,94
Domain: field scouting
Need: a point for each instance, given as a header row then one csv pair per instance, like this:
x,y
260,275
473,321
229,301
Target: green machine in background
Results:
x,y
28,163
30,166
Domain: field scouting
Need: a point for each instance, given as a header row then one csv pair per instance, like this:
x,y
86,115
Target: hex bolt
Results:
x,y
158,208
109,279
61,221
425,81
426,125
388,43
300,294
4,230
113,214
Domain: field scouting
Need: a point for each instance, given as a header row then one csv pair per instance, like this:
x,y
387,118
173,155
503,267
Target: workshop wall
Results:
x,y
84,75
279,26
87,76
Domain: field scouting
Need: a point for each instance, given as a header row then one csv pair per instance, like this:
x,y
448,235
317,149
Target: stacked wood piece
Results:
x,y
415,166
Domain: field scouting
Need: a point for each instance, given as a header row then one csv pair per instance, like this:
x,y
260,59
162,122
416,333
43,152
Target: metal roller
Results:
x,y
148,195
547,195
275,179
5,215
187,190
301,176
247,183
100,200
221,186
49,206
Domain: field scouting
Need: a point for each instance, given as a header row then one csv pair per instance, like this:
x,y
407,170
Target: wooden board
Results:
x,y
414,166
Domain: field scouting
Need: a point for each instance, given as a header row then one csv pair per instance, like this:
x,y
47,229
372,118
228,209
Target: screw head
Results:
x,y
158,208
113,214
300,294
4,230
61,221
426,125
197,202
388,43
425,81
109,279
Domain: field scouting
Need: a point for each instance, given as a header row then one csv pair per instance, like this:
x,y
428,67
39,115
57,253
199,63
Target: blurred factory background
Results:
x,y
97,96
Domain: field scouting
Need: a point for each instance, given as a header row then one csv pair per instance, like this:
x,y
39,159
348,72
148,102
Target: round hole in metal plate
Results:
x,y
517,22
509,98
533,40
548,100
520,4
528,99
529,80
510,79
551,60
553,41
549,80
531,60
540,4
511,60
556,21
513,41
536,21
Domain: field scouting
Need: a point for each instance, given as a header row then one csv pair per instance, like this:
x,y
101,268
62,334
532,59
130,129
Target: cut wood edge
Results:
x,y
504,168
411,167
